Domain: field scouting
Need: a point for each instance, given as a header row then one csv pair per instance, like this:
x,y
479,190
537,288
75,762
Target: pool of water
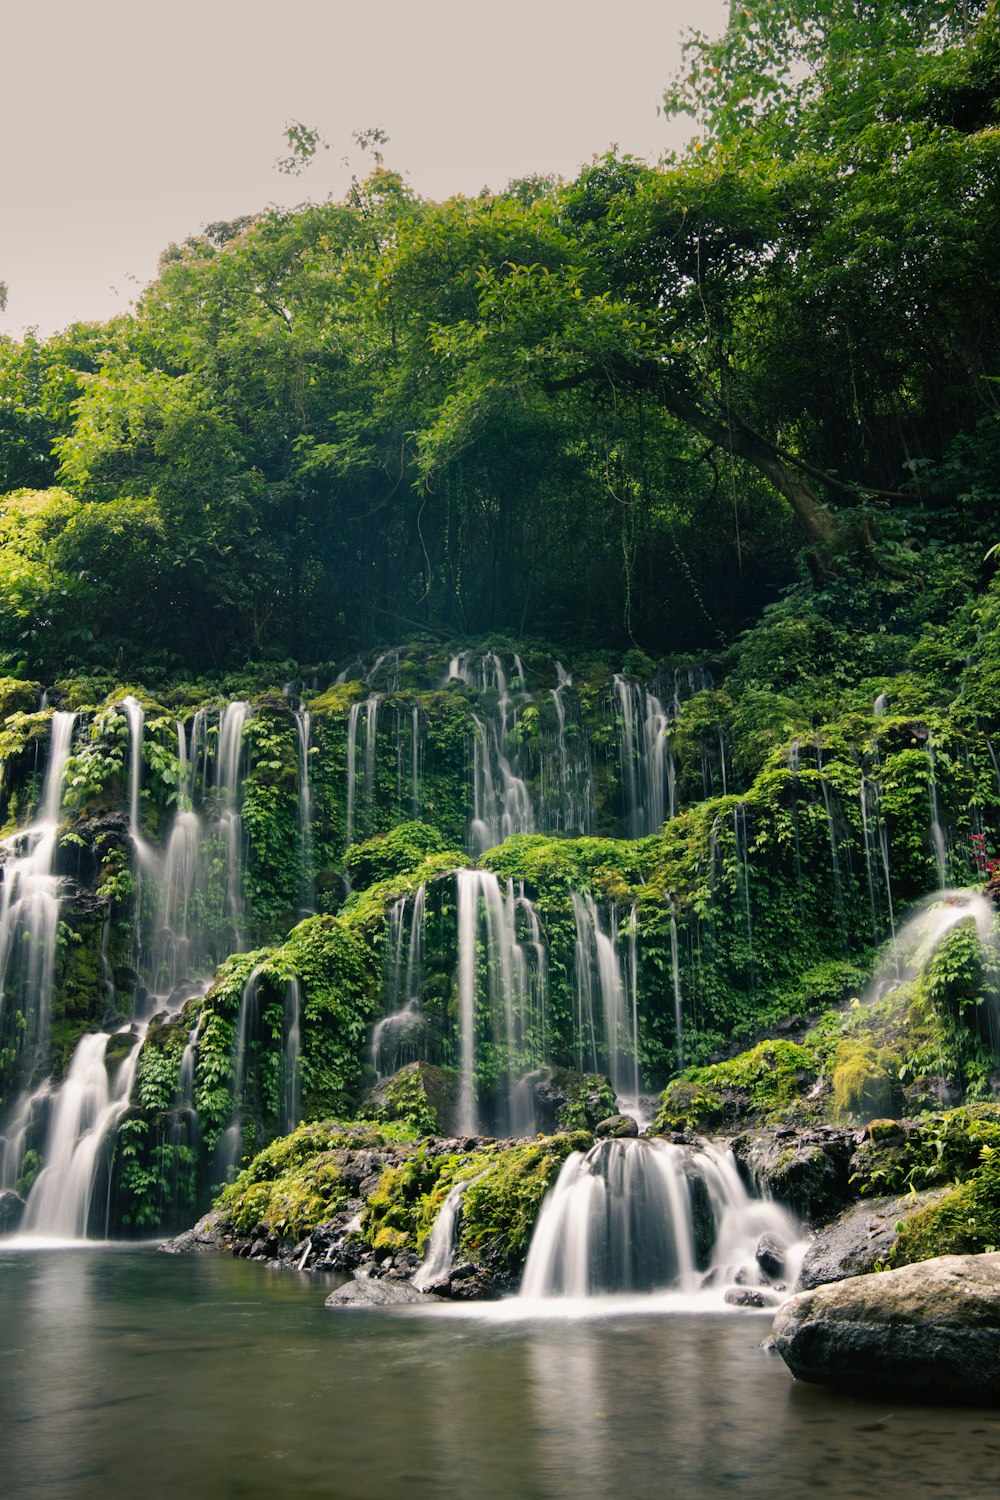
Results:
x,y
134,1374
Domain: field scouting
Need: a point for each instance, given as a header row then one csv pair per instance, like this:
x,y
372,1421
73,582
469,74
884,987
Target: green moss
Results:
x,y
763,1083
502,1205
295,1182
965,1222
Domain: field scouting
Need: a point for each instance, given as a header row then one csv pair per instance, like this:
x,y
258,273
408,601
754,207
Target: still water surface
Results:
x,y
127,1373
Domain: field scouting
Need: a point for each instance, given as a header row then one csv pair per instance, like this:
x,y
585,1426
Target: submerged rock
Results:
x,y
365,1291
929,1330
751,1296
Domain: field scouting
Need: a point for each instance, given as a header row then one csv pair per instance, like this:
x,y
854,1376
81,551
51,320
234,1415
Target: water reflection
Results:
x,y
131,1373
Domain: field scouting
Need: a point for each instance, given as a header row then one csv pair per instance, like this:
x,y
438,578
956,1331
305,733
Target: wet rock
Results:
x,y
617,1127
856,1242
751,1296
770,1257
808,1167
367,1291
11,1211
207,1235
930,1330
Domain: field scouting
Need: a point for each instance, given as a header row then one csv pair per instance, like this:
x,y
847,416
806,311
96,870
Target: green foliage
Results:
x,y
763,1083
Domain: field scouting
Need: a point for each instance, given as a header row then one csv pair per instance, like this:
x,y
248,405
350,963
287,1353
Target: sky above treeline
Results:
x,y
128,124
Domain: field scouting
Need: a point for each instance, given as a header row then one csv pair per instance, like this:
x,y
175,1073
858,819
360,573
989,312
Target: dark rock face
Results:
x,y
11,1212
930,1330
858,1240
617,1127
805,1167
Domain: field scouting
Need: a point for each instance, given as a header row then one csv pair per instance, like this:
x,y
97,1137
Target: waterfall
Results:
x,y
85,1113
838,884
645,1216
29,908
938,841
743,879
601,992
291,1079
303,725
370,708
399,1035
514,996
647,770
227,1155
912,948
192,906
444,1239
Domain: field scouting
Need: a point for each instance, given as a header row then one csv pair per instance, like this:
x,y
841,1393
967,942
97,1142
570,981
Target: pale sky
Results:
x,y
127,124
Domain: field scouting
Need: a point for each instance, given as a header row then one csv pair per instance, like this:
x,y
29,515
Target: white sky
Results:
x,y
126,124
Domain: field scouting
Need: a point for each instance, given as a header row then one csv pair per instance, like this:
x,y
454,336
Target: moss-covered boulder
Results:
x,y
421,1095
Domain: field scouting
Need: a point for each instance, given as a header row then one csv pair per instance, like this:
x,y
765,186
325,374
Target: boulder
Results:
x,y
567,1100
806,1167
930,1330
423,1095
770,1257
751,1296
617,1127
11,1211
857,1241
364,1291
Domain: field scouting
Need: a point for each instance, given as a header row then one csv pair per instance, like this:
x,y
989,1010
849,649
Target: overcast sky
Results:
x,y
127,124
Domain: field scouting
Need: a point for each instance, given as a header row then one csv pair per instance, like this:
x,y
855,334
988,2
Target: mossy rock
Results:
x,y
764,1084
420,1094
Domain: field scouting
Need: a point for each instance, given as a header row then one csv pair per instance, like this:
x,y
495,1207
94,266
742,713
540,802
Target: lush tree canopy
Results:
x,y
611,409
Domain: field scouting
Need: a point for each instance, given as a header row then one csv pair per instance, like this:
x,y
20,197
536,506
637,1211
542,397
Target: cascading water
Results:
x,y
84,1117
400,1036
913,946
291,1080
645,1216
601,997
29,909
303,727
512,1002
444,1236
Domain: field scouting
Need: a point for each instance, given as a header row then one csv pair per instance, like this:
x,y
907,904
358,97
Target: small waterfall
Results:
x,y
675,972
370,709
444,1239
191,896
85,1114
303,725
399,1036
227,1154
646,1216
838,884
601,992
29,908
743,880
913,946
647,771
514,997
291,1078
938,840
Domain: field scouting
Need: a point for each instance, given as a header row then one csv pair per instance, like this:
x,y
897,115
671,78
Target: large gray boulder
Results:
x,y
929,1330
858,1240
